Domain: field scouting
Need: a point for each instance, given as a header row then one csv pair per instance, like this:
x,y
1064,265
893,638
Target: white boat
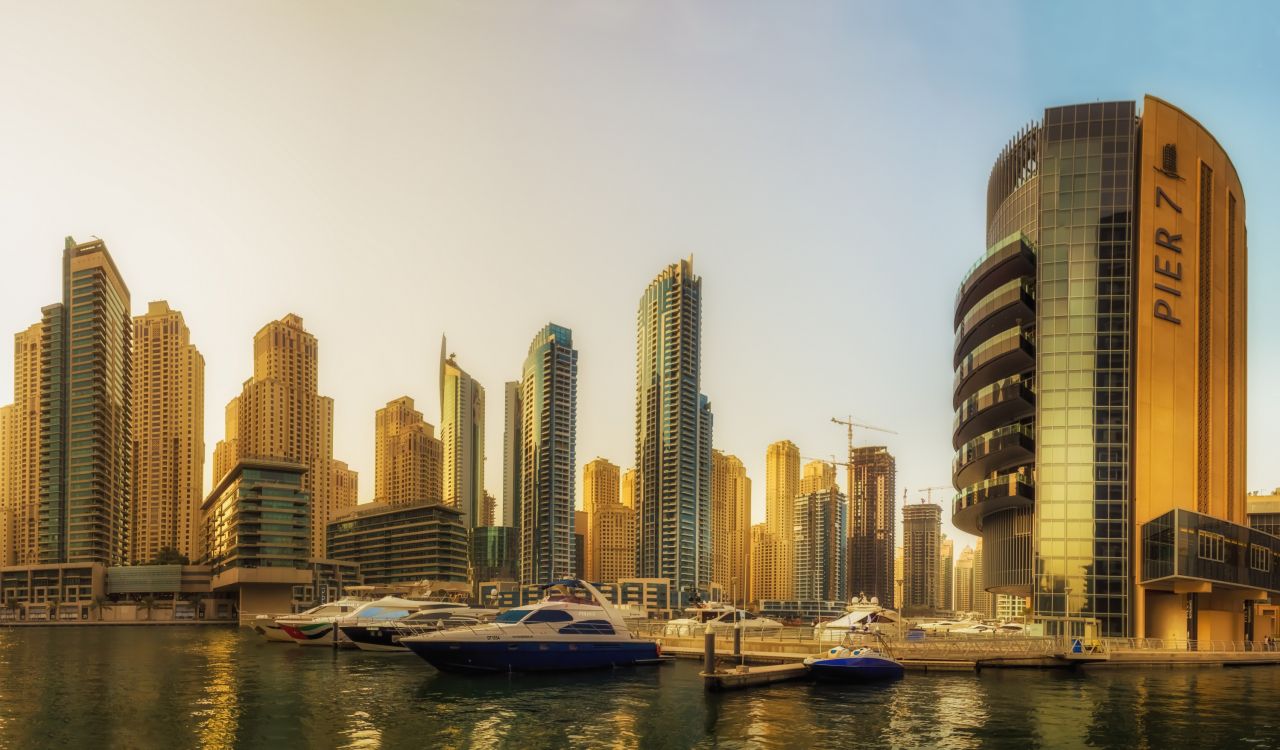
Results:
x,y
573,627
269,627
320,629
383,634
863,615
722,618
978,628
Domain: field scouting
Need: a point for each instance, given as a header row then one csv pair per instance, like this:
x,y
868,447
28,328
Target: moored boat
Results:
x,y
573,627
385,634
272,627
861,664
321,628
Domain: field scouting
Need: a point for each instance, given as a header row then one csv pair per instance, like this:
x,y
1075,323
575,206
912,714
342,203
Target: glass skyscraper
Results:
x,y
673,433
86,439
1099,353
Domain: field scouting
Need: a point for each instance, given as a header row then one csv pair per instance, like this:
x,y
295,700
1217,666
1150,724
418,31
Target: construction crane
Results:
x,y
928,491
850,424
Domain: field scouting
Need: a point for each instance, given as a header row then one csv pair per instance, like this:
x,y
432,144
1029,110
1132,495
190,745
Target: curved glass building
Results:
x,y
1099,376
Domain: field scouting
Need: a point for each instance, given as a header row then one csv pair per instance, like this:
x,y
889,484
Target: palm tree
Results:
x,y
196,600
98,604
148,604
53,609
13,606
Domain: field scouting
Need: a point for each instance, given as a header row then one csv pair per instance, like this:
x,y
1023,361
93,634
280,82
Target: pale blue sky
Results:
x,y
391,171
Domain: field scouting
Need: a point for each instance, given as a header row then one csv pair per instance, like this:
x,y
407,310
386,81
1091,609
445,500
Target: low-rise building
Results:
x,y
402,543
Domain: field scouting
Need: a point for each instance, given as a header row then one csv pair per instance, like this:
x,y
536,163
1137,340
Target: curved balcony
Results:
x,y
1011,304
1007,353
1005,401
1004,261
990,496
1001,449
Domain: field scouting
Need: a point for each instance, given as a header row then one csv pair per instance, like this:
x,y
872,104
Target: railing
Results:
x,y
1116,645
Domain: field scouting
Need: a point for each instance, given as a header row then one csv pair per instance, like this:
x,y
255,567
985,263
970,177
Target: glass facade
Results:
x,y
1185,544
494,555
1082,370
401,543
258,517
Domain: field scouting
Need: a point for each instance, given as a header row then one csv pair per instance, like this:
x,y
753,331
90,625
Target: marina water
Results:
x,y
221,687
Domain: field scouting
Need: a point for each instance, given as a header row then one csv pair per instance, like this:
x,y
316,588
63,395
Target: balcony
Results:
x,y
1008,353
977,501
1008,259
999,450
1011,304
1005,401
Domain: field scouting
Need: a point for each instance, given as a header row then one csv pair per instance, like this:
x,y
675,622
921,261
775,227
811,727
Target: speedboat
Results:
x,y
271,627
321,629
384,634
863,615
572,627
722,618
861,664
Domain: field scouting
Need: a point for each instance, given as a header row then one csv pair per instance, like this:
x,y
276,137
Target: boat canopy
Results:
x,y
860,617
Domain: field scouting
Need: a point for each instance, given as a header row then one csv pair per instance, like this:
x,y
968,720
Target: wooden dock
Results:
x,y
741,676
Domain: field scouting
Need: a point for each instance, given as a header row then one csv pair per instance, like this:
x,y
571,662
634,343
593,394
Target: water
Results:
x,y
178,687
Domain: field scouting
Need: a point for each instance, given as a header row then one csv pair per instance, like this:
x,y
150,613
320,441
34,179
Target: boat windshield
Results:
x,y
384,613
512,615
327,610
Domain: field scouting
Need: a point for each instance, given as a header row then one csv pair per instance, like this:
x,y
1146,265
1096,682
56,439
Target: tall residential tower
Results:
x,y
462,432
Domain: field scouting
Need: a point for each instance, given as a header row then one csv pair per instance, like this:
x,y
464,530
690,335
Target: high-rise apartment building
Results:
x,y
1099,380
673,433
767,569
168,430
600,487
921,549
280,416
511,429
984,603
730,525
86,438
6,484
782,485
612,534
20,491
820,544
946,574
408,458
897,574
872,483
964,581
549,399
462,432
818,476
627,493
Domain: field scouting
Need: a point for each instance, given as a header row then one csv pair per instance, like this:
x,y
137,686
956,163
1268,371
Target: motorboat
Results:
x,y
572,627
863,615
384,634
269,626
1011,628
977,628
722,618
322,629
854,664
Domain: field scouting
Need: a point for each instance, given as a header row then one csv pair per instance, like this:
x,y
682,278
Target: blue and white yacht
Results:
x,y
847,663
573,627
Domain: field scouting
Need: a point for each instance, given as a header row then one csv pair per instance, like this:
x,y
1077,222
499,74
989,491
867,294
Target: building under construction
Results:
x,y
872,487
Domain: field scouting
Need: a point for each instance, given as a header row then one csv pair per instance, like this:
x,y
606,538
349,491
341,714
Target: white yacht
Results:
x,y
863,615
722,618
573,627
320,629
268,626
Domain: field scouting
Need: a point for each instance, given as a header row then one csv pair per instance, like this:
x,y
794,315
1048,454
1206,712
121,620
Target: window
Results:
x,y
550,615
512,615
1259,558
1212,546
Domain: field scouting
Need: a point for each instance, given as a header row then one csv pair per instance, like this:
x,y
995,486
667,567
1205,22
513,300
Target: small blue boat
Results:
x,y
853,665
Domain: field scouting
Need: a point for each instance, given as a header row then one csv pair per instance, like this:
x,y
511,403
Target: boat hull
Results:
x,y
531,656
375,638
310,634
854,669
272,632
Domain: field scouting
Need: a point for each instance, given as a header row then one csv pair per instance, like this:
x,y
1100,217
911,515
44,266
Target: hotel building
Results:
x,y
86,435
168,428
549,403
673,433
1100,379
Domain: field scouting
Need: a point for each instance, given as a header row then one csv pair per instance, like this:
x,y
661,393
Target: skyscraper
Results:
x,y
168,418
782,484
983,602
627,493
872,482
1099,383
921,538
408,458
613,538
730,525
86,439
462,432
511,455
946,574
766,567
7,465
280,416
549,398
964,581
673,432
821,538
600,480
20,493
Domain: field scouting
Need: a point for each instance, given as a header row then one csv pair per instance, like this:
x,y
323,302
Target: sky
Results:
x,y
395,171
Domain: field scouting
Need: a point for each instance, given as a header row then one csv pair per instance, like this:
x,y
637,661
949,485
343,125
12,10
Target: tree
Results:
x,y
99,603
148,604
169,556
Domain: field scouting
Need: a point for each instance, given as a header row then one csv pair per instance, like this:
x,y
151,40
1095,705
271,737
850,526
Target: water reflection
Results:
x,y
220,688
